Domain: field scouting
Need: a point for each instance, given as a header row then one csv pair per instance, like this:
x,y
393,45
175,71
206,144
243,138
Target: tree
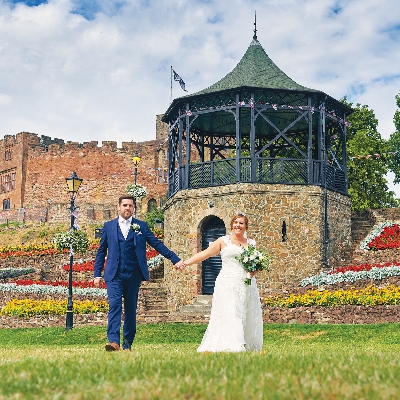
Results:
x,y
367,167
394,145
152,215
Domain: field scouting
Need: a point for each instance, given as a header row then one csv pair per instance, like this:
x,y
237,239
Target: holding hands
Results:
x,y
180,265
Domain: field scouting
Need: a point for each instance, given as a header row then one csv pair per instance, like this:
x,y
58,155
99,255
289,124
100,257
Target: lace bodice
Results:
x,y
228,255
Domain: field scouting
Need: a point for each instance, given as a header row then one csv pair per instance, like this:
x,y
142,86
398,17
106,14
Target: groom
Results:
x,y
123,242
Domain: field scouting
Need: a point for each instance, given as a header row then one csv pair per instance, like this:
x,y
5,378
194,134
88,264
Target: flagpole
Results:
x,y
171,85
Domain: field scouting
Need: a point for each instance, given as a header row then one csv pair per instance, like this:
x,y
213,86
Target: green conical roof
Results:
x,y
255,69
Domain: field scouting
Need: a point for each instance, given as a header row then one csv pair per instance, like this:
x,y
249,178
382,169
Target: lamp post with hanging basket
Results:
x,y
136,190
73,184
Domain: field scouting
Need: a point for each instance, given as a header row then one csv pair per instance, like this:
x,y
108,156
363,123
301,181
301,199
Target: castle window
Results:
x,y
7,181
12,181
8,154
151,205
162,176
6,204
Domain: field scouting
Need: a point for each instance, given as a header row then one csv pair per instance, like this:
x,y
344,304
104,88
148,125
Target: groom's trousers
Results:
x,y
124,285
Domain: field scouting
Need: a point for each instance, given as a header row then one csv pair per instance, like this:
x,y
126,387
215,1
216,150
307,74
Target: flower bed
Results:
x,y
50,289
28,308
369,296
353,274
363,267
8,273
78,284
43,249
385,236
153,259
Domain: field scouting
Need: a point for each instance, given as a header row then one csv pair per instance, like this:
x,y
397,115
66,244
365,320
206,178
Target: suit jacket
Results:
x,y
109,247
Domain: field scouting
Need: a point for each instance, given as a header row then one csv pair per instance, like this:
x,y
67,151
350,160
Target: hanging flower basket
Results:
x,y
137,191
78,240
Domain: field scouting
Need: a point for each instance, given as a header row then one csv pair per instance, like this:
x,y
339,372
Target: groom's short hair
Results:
x,y
126,197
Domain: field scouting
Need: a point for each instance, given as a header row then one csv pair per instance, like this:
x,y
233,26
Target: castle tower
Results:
x,y
258,142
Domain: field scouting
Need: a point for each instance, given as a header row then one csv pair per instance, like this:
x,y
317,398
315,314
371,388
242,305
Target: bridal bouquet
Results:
x,y
253,260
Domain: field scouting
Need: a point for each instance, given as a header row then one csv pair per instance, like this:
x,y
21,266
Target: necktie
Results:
x,y
125,228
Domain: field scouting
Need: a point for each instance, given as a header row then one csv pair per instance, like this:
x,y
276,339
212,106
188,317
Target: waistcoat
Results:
x,y
127,255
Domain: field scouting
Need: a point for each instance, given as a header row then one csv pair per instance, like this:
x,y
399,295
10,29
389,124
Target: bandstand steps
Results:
x,y
201,306
155,300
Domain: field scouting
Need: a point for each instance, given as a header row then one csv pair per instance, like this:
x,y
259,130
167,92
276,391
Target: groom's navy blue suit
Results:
x,y
125,269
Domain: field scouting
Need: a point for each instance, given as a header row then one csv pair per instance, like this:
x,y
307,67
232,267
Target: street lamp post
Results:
x,y
136,162
73,183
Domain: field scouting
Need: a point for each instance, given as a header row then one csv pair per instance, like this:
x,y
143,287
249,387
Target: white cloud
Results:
x,y
106,76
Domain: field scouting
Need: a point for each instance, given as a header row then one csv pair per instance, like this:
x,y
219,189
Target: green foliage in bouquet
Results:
x,y
78,240
253,260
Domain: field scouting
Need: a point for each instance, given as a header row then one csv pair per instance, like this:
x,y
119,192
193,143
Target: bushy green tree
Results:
x,y
368,187
394,144
152,215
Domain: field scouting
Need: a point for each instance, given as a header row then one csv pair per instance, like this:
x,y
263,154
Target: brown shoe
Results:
x,y
112,346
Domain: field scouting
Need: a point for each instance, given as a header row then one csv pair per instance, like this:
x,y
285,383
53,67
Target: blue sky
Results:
x,y
93,70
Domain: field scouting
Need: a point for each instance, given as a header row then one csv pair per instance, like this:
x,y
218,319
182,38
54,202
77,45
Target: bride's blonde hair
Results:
x,y
239,214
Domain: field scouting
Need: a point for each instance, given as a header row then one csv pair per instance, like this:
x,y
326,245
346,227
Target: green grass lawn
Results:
x,y
297,362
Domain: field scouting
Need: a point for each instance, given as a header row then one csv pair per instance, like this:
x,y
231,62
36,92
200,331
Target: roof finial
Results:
x,y
255,26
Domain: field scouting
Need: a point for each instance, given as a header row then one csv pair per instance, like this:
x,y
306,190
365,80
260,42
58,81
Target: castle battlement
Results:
x,y
33,169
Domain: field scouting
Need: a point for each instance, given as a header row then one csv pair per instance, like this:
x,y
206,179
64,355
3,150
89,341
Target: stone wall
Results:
x,y
339,228
267,206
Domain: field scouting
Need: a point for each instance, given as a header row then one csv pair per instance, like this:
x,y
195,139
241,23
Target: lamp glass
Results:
x,y
136,159
73,182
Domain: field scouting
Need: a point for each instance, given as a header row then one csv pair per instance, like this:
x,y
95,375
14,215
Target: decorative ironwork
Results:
x,y
292,135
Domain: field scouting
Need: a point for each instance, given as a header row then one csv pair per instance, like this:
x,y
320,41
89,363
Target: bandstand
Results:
x,y
258,141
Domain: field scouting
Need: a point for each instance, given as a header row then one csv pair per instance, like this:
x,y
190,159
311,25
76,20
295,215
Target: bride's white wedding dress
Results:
x,y
236,318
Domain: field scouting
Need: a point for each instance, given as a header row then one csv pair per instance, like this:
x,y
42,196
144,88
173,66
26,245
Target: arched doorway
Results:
x,y
212,229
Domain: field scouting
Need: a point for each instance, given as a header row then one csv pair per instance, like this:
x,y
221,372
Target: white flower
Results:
x,y
350,276
135,228
77,240
137,191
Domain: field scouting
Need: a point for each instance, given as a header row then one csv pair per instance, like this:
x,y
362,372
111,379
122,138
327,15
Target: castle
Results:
x,y
33,170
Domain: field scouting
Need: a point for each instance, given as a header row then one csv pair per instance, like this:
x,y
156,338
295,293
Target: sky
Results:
x,y
100,70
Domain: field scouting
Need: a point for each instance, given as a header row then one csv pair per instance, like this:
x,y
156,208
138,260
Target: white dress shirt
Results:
x,y
125,225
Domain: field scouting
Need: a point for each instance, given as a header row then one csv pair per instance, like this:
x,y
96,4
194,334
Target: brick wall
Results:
x,y
42,164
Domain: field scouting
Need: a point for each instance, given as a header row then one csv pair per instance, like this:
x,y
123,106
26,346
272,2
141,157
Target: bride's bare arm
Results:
x,y
210,251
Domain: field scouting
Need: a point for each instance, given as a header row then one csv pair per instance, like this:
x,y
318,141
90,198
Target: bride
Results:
x,y
236,318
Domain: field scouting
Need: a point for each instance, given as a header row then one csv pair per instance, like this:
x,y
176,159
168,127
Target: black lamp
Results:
x,y
73,184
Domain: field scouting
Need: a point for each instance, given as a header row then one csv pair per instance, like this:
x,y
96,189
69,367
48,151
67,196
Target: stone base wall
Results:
x,y
267,207
339,228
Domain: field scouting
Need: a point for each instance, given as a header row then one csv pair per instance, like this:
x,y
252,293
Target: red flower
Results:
x,y
363,267
388,239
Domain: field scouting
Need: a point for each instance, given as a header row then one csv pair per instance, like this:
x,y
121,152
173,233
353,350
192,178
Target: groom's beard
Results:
x,y
127,213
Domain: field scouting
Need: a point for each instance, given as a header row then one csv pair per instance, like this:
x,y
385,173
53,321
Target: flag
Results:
x,y
180,80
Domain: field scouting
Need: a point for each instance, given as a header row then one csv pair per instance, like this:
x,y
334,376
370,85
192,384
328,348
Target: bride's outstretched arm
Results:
x,y
210,251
